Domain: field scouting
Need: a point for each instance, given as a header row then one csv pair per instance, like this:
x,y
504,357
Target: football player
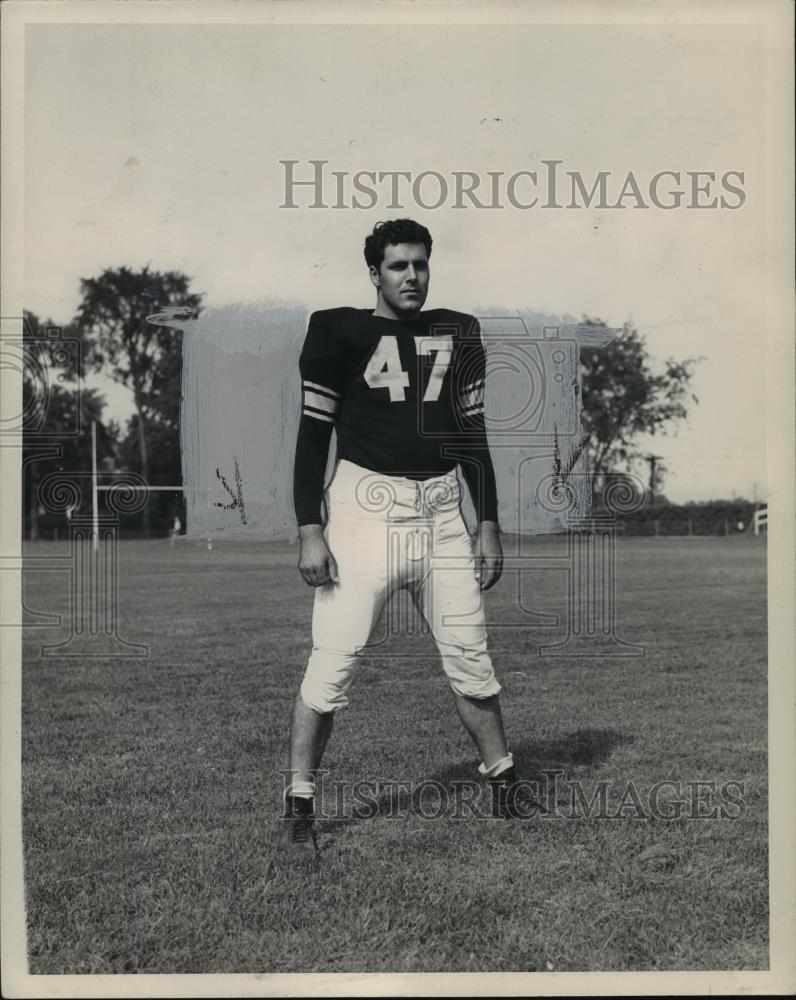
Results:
x,y
404,389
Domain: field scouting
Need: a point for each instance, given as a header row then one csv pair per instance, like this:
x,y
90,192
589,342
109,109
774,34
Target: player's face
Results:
x,y
402,279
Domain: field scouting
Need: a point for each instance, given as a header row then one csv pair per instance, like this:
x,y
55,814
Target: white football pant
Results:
x,y
387,533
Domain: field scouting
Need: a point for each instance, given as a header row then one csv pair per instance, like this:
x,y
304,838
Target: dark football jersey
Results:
x,y
405,396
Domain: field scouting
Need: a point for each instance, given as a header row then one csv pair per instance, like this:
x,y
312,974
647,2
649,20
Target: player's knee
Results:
x,y
328,676
322,698
476,689
471,674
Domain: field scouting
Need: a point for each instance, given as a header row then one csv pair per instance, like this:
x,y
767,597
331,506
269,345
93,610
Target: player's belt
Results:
x,y
378,492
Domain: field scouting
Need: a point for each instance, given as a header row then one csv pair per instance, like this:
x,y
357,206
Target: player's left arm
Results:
x,y
476,464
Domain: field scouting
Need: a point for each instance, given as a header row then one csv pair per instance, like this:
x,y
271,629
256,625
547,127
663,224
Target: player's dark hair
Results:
x,y
390,234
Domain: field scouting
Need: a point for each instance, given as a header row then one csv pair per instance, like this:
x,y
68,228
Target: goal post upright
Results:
x,y
94,505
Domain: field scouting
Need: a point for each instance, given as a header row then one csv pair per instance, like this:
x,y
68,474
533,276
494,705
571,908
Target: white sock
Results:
x,y
502,765
302,789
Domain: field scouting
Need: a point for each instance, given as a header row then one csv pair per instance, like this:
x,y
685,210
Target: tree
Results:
x,y
623,398
144,358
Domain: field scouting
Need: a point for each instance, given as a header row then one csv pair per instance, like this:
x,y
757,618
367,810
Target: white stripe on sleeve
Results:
x,y
318,416
319,402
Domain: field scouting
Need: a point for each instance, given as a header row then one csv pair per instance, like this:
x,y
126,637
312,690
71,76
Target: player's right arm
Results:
x,y
322,380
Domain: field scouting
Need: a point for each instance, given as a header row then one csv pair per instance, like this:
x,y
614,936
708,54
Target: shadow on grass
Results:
x,y
581,751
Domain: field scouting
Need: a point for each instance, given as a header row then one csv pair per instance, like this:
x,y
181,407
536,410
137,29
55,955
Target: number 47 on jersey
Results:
x,y
384,368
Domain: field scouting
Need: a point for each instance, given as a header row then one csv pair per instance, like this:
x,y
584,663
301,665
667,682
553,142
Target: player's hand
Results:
x,y
316,563
488,555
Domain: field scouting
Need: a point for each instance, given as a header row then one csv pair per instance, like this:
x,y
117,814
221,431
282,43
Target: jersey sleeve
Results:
x,y
322,368
476,463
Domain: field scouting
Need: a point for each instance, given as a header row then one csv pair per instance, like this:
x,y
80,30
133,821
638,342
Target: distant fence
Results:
x,y
723,518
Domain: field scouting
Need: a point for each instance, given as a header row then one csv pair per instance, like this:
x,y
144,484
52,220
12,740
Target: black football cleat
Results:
x,y
297,839
513,798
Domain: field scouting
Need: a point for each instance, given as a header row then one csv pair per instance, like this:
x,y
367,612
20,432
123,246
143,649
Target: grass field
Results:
x,y
151,787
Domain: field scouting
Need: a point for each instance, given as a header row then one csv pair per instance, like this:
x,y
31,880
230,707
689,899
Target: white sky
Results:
x,y
159,145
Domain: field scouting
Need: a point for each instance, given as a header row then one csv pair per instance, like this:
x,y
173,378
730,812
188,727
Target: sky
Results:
x,y
160,144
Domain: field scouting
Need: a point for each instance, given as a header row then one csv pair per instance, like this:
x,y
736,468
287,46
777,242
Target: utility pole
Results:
x,y
652,460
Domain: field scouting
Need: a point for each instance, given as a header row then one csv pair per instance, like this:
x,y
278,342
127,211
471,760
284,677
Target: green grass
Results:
x,y
150,787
